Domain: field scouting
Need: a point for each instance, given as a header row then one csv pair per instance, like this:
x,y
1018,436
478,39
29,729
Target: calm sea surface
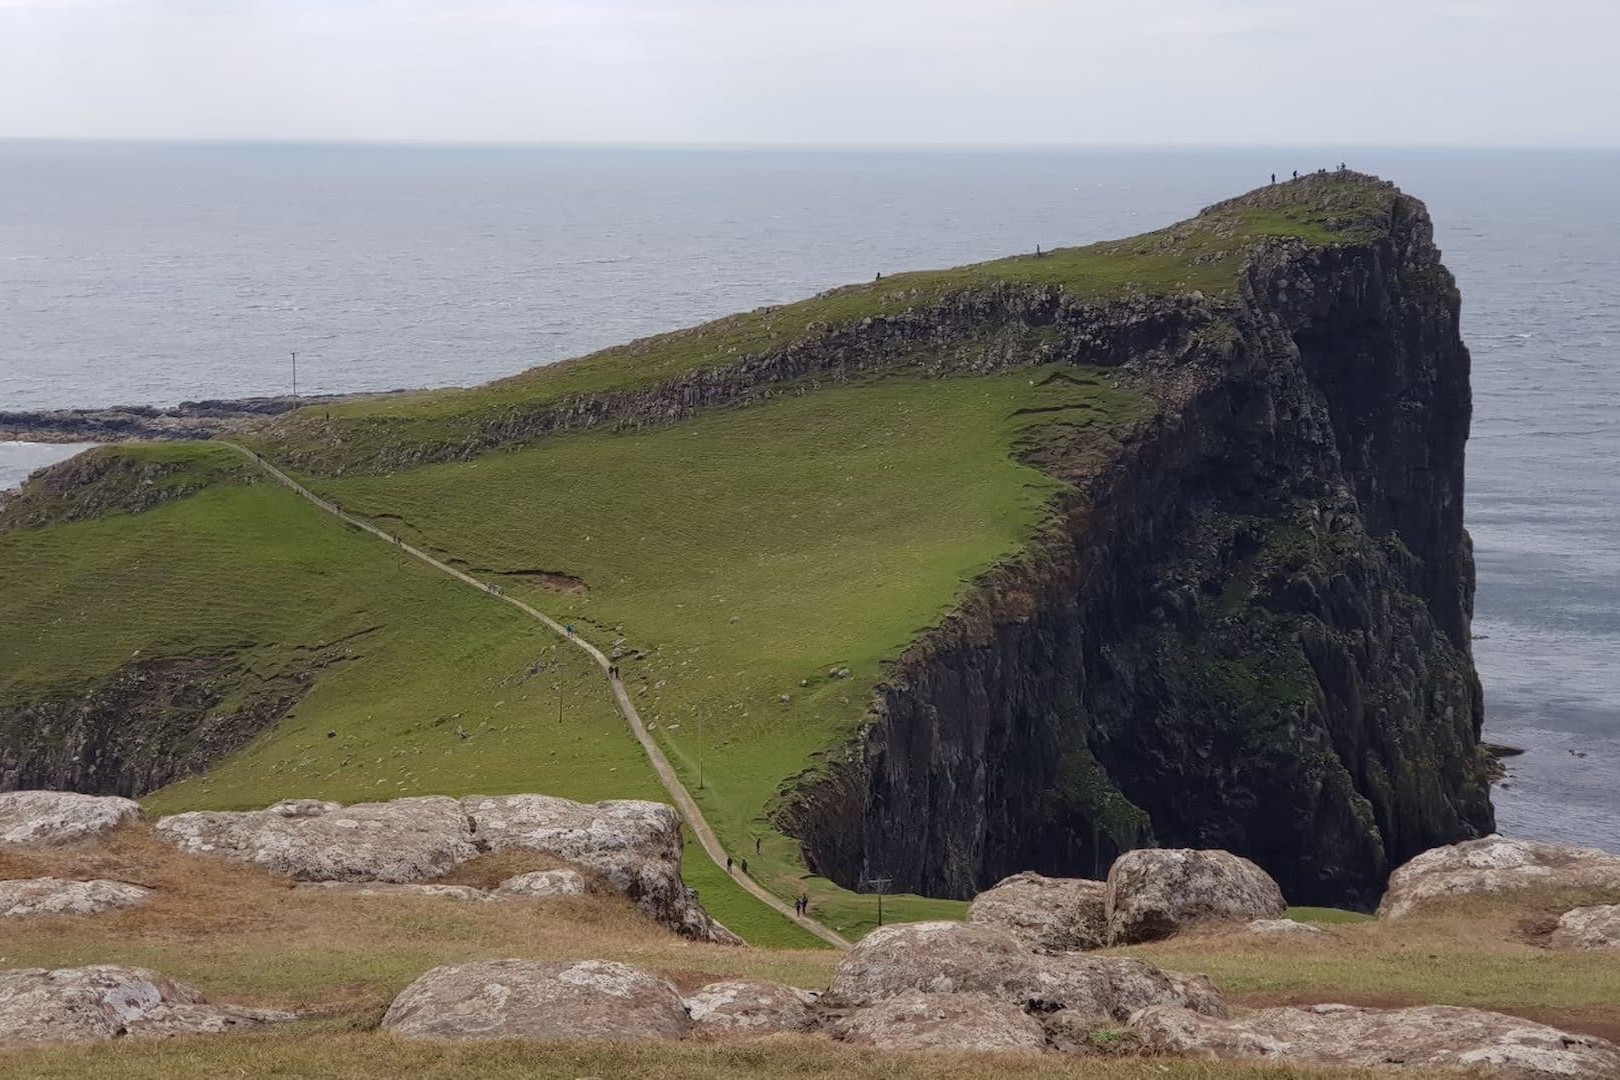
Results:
x,y
141,274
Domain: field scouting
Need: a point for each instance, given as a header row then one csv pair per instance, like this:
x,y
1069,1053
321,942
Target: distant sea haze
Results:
x,y
154,274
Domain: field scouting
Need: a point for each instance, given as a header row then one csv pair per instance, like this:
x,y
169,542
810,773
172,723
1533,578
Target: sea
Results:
x,y
156,273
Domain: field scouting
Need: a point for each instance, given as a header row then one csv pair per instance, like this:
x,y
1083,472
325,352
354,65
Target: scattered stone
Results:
x,y
385,888
1496,864
1588,928
839,673
54,896
958,1023
950,957
1283,928
740,1007
587,1000
541,883
53,818
92,1004
1046,914
1153,893
1429,1037
636,847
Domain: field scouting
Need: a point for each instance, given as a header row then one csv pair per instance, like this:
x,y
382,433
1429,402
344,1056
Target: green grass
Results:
x,y
741,556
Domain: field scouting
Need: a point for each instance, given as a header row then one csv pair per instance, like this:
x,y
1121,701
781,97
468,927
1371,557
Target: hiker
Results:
x,y
1037,251
745,867
1273,178
1296,174
756,845
880,275
570,629
728,864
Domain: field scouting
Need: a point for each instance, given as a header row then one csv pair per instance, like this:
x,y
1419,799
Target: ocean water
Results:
x,y
155,274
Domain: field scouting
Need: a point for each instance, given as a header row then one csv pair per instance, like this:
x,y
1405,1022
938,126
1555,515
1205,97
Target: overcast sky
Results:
x,y
1386,72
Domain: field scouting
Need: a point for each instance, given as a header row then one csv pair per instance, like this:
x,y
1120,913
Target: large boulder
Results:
x,y
583,1000
743,1007
1430,1037
1047,914
91,1004
406,840
1153,893
1588,928
53,818
635,846
55,896
955,958
951,1023
1496,864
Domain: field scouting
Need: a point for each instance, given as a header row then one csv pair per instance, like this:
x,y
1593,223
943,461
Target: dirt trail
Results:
x,y
666,773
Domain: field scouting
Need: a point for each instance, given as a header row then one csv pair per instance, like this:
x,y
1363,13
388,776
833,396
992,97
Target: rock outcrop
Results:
x,y
744,1007
1153,893
952,1023
961,958
585,1000
1283,928
52,818
54,896
92,1004
391,889
403,841
1497,864
1248,629
1430,1037
1046,914
544,883
1588,928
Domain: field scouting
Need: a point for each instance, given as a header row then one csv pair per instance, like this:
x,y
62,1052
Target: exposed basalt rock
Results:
x,y
147,423
1496,864
950,1023
742,1007
53,818
406,840
22,897
1248,630
1588,928
584,1000
1432,1037
93,1004
961,958
1046,914
1155,892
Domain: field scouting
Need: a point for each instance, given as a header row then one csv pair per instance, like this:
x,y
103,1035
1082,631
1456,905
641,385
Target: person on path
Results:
x,y
745,867
756,845
728,864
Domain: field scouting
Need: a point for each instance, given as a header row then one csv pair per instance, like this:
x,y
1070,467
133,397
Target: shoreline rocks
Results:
x,y
54,818
1496,864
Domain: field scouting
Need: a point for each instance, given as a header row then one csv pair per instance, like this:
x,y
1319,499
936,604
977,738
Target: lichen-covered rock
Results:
x,y
743,1007
1047,914
948,957
55,896
1155,892
636,847
1430,1037
91,1004
1496,864
1588,928
1283,928
387,888
53,818
541,883
583,1000
952,1023
406,840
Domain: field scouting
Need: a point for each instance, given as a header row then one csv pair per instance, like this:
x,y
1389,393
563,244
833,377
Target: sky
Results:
x,y
819,72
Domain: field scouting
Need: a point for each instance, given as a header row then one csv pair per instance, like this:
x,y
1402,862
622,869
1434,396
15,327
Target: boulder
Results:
x,y
741,1007
952,1023
1283,928
1496,864
406,840
386,888
1429,1037
52,818
1153,893
636,847
1588,928
584,1000
91,1004
948,957
542,883
1047,914
54,896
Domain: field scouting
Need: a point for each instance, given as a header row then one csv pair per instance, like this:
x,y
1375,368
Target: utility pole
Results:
x,y
295,376
879,886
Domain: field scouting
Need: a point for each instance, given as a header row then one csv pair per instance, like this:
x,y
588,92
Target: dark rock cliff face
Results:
x,y
1252,632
